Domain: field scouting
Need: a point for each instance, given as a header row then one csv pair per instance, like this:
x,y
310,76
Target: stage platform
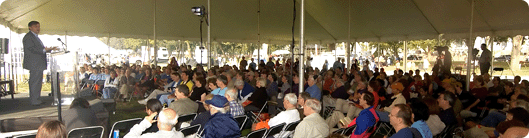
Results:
x,y
19,115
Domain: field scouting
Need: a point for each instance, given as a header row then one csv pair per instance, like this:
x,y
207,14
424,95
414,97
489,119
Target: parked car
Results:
x,y
414,57
503,58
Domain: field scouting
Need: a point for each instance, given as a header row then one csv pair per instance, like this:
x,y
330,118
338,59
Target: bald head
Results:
x,y
167,119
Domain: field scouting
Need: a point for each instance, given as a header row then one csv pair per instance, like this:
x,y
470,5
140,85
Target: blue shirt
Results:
x,y
403,133
365,120
314,92
219,91
423,128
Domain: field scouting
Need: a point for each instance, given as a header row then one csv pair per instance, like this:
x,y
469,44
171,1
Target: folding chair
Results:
x,y
257,134
256,117
274,130
101,84
29,135
385,126
87,132
190,130
241,120
124,126
348,131
290,127
185,118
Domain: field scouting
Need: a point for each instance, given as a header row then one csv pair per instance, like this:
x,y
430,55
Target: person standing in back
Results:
x,y
35,60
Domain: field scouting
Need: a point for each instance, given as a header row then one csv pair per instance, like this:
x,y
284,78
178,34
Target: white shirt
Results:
x,y
136,130
312,126
286,117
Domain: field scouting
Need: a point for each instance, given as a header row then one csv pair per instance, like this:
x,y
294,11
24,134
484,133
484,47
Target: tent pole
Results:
x,y
108,45
301,46
405,58
470,45
258,33
348,53
155,46
492,51
209,36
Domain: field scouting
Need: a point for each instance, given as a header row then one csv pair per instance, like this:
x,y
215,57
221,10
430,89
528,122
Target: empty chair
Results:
x,y
87,132
257,134
124,126
190,130
241,120
275,130
185,118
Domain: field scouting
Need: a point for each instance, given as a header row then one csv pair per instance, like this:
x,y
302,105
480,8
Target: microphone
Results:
x,y
59,39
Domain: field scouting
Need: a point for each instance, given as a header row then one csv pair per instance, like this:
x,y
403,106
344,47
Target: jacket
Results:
x,y
221,126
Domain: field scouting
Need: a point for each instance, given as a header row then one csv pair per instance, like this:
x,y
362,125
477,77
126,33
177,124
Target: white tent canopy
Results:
x,y
236,20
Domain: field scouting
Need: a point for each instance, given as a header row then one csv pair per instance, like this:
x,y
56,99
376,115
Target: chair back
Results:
x,y
241,120
90,81
187,118
100,82
348,131
292,126
87,132
184,119
257,134
190,130
30,135
124,126
275,129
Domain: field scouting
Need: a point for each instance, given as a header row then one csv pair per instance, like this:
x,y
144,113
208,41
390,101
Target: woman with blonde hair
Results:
x,y
258,98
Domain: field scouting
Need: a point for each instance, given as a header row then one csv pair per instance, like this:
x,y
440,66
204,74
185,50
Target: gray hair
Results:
x,y
221,110
291,98
165,120
232,93
313,104
239,82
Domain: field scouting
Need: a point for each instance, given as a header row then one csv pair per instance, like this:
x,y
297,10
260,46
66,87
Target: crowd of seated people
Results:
x,y
412,104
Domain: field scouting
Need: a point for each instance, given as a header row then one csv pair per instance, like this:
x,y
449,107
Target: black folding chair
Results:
x,y
256,117
29,135
241,120
87,132
185,118
190,130
257,134
101,84
348,131
290,127
275,130
124,126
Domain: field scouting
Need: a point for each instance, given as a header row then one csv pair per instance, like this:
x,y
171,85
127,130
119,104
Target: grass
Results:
x,y
127,110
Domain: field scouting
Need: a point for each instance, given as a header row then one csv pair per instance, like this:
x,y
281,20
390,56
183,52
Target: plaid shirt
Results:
x,y
236,109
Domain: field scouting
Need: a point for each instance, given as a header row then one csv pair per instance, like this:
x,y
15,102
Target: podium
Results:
x,y
59,65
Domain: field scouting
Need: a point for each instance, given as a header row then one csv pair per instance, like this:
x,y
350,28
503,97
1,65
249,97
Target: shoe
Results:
x,y
144,102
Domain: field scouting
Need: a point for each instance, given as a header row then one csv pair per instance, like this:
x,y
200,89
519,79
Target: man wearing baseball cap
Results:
x,y
220,124
397,98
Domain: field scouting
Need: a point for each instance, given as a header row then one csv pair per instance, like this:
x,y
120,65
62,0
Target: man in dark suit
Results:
x,y
34,60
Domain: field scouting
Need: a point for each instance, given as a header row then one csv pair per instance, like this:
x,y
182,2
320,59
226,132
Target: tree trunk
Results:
x,y
515,55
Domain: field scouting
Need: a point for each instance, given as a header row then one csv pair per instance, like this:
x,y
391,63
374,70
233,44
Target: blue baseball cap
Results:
x,y
218,101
